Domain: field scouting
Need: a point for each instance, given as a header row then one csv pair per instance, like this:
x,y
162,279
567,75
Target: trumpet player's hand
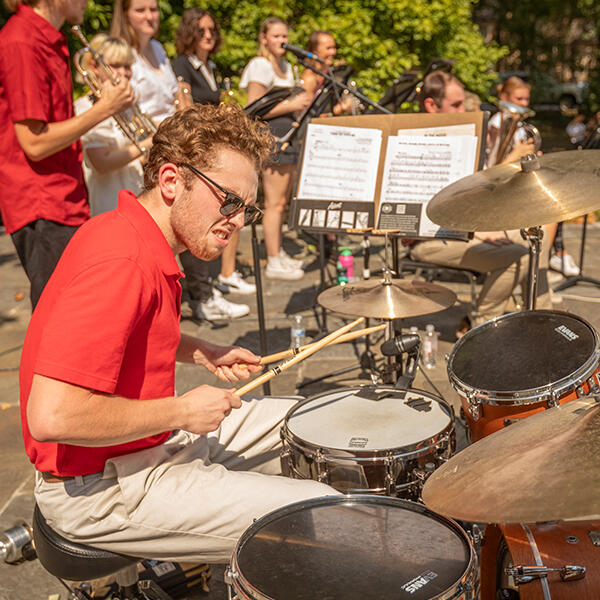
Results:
x,y
116,97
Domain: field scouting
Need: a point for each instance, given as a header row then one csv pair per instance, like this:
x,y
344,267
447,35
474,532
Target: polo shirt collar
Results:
x,y
149,231
198,64
52,34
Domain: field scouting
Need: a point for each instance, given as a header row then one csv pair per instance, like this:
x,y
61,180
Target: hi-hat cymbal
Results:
x,y
387,299
543,468
506,197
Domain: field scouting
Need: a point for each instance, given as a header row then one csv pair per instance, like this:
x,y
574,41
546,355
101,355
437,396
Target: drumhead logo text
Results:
x,y
566,332
414,585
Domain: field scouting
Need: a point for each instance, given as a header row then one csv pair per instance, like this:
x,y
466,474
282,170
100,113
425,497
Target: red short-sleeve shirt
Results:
x,y
35,83
107,320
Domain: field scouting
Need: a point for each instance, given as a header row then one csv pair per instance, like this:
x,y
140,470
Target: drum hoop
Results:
x,y
467,581
530,395
397,452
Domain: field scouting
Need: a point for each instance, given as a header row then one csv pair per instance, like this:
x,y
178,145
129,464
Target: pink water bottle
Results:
x,y
347,261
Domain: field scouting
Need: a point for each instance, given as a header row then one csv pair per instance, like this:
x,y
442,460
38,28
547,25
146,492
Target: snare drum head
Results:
x,y
353,419
522,351
352,547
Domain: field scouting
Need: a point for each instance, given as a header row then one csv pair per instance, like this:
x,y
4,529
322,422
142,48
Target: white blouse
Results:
x,y
260,70
157,89
104,188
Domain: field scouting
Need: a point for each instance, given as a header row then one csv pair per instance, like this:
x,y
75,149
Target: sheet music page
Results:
x,y
464,129
416,168
340,163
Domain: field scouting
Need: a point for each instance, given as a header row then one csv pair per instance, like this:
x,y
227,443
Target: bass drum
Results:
x,y
553,545
522,363
354,547
372,439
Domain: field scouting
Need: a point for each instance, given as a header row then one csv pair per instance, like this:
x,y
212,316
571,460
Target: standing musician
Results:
x,y
112,162
44,198
265,72
197,40
322,44
502,256
122,462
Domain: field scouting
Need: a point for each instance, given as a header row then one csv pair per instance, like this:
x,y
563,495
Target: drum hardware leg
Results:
x,y
285,458
533,235
527,574
229,577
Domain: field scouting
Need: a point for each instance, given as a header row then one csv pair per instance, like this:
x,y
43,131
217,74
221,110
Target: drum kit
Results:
x,y
529,386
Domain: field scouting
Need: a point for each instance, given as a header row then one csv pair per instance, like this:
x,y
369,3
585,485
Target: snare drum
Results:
x,y
353,547
370,439
550,545
516,365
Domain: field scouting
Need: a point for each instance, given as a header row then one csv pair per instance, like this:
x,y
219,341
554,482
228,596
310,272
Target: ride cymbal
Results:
x,y
508,197
542,468
387,299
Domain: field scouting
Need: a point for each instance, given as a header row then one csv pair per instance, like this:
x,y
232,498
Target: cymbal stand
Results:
x,y
580,277
534,236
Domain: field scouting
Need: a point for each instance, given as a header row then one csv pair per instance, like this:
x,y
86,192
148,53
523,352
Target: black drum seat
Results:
x,y
69,560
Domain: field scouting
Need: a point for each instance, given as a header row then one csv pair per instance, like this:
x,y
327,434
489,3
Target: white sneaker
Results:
x,y
288,260
217,307
277,268
235,283
564,264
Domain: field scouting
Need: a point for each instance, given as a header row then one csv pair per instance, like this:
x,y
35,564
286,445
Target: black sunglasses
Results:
x,y
232,203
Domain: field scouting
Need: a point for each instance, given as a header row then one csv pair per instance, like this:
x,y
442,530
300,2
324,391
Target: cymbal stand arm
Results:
x,y
534,236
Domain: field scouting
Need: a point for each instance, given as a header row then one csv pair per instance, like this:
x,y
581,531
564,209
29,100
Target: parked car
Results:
x,y
546,90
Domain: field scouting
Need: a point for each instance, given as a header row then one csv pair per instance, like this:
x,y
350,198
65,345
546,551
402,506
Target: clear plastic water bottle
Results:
x,y
298,333
430,346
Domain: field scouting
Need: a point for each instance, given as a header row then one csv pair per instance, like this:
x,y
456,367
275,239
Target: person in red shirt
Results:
x,y
123,462
44,198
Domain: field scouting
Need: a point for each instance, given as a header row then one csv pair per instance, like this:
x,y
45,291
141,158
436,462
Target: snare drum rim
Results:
x,y
398,452
468,580
555,389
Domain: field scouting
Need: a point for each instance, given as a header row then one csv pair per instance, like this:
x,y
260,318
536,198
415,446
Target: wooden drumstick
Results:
x,y
271,358
299,357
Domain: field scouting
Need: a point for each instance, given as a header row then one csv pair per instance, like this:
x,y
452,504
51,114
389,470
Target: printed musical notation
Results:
x,y
340,163
416,168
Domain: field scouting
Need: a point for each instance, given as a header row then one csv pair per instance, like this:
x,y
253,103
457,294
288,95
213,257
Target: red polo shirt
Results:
x,y
107,320
35,83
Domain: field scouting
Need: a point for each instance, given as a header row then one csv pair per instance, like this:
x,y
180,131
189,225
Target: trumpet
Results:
x,y
135,124
512,119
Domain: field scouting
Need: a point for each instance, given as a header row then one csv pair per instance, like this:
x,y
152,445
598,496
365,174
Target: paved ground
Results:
x,y
28,581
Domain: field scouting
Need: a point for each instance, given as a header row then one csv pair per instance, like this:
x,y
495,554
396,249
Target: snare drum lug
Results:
x,y
285,458
594,389
552,399
595,537
390,482
476,536
474,407
321,463
581,391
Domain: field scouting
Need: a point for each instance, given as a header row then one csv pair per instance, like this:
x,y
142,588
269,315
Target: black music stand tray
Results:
x,y
581,278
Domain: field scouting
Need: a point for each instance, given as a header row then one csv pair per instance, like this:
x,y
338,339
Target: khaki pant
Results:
x,y
505,266
188,499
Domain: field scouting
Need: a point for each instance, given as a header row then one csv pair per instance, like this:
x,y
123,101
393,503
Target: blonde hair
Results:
x,y
264,28
111,49
472,102
511,84
121,27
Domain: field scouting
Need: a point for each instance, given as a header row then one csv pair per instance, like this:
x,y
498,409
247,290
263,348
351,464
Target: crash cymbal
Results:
x,y
507,197
387,298
542,468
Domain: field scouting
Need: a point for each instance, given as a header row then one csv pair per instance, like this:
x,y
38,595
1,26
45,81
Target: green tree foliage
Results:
x,y
379,38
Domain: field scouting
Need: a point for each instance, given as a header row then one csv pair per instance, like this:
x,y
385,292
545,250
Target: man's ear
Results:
x,y
429,105
169,179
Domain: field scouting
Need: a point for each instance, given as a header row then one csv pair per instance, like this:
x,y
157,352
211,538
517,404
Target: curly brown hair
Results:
x,y
187,35
193,136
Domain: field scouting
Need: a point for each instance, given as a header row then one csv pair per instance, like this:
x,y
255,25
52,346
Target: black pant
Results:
x,y
39,245
197,279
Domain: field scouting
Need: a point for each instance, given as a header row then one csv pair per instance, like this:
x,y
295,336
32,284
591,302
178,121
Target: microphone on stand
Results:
x,y
400,344
302,53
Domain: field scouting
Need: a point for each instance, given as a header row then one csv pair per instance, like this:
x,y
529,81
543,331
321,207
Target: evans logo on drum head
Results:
x,y
566,332
414,585
358,442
